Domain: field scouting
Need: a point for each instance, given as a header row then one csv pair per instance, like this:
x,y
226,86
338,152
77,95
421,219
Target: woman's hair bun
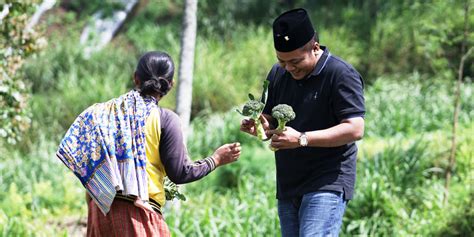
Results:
x,y
155,71
155,85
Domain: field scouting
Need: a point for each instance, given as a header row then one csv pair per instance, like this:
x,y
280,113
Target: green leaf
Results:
x,y
251,96
265,91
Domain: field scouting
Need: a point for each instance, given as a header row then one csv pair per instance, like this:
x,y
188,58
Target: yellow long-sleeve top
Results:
x,y
167,155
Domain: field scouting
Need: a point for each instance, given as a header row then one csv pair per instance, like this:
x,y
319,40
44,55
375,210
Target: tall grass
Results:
x,y
400,189
413,104
36,192
246,210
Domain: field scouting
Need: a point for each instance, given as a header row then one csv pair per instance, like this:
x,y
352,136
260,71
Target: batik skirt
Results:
x,y
125,219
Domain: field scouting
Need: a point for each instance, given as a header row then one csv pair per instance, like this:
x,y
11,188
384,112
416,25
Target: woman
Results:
x,y
122,150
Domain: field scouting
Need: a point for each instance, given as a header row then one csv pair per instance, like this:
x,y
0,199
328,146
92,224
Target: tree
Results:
x,y
185,78
457,101
16,43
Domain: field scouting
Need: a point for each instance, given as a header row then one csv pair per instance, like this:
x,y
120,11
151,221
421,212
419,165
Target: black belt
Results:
x,y
154,204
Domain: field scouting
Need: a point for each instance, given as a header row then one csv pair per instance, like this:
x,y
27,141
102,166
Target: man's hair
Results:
x,y
308,46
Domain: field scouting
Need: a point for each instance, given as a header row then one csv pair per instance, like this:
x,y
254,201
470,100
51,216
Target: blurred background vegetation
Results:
x,y
408,52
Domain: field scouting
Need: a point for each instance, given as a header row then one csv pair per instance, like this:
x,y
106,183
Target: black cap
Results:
x,y
292,30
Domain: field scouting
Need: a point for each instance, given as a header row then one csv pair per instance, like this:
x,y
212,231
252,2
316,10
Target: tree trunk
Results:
x,y
457,102
185,78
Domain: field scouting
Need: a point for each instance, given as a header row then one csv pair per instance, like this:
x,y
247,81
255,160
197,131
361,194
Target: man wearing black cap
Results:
x,y
316,156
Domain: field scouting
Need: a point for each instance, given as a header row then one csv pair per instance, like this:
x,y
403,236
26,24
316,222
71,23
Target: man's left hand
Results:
x,y
287,139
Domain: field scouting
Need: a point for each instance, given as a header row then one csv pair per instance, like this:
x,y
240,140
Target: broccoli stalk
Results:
x,y
254,108
283,113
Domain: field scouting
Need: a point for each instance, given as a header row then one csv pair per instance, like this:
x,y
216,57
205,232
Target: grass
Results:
x,y
400,188
37,190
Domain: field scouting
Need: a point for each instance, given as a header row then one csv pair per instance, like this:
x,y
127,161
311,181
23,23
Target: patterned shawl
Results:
x,y
105,148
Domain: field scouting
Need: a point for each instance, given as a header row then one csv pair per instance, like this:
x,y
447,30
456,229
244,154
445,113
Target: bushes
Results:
x,y
248,209
65,83
413,104
36,190
16,44
399,190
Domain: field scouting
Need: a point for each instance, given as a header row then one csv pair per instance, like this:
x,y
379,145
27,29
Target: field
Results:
x,y
402,161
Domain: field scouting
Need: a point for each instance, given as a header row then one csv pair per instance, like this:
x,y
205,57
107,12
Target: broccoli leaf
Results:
x,y
251,97
265,91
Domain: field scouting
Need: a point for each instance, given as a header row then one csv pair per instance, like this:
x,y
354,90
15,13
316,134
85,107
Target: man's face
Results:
x,y
299,62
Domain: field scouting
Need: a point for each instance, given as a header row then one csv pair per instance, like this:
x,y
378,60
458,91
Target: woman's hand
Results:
x,y
227,153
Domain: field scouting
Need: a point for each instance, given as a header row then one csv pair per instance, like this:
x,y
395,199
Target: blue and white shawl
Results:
x,y
105,148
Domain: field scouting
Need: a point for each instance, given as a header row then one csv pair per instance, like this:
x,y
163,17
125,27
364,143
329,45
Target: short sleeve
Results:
x,y
348,94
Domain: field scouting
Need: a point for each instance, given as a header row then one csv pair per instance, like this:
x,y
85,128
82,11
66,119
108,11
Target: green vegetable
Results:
x,y
172,192
253,109
283,113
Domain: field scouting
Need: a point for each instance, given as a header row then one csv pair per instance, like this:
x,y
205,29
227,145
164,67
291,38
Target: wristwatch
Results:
x,y
303,140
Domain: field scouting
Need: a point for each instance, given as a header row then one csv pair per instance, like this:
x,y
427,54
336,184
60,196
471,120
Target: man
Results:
x,y
316,156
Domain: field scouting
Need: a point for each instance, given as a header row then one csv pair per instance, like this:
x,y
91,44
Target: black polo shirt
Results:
x,y
331,93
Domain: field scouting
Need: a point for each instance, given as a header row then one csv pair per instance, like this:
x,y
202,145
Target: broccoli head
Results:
x,y
253,108
283,113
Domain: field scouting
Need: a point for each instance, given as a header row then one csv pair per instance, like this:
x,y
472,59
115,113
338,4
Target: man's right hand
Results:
x,y
248,125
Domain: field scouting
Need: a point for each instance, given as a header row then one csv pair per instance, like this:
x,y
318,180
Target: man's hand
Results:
x,y
248,125
287,139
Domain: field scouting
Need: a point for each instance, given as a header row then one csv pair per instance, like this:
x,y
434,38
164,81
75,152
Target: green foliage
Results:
x,y
413,104
441,37
209,131
216,66
395,36
241,64
247,209
37,189
403,184
16,43
257,161
400,185
217,17
89,7
172,191
397,186
65,83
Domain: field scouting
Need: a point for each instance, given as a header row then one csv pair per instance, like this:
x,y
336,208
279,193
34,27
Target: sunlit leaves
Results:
x,y
16,43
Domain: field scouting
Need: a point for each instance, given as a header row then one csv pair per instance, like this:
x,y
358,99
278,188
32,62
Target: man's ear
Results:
x,y
316,46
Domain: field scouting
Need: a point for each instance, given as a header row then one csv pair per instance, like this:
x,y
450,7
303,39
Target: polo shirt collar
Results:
x,y
321,64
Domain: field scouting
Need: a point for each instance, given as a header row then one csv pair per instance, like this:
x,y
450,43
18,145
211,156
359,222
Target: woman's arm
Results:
x,y
174,156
